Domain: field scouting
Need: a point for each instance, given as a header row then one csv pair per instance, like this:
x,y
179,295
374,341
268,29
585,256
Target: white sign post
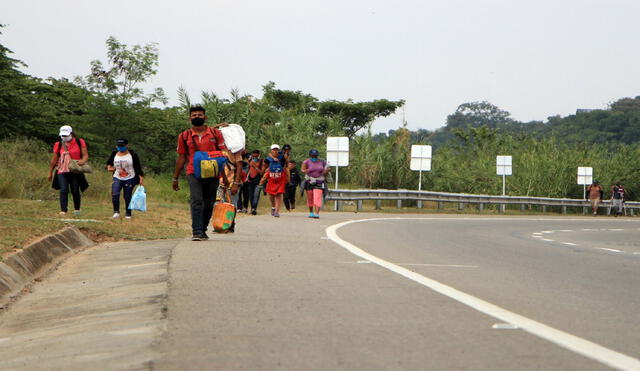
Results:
x,y
420,161
585,177
337,155
504,168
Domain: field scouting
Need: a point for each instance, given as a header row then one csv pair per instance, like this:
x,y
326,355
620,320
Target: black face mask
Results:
x,y
198,121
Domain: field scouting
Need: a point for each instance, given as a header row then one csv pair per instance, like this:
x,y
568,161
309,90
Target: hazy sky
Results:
x,y
532,58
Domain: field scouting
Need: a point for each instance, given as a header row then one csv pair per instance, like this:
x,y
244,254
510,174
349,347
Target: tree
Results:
x,y
126,69
359,115
476,114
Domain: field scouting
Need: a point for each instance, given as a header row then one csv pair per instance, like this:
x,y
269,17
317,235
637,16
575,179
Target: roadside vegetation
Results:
x,y
108,103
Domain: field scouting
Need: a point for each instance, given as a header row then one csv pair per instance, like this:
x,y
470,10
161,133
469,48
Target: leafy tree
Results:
x,y
358,115
126,69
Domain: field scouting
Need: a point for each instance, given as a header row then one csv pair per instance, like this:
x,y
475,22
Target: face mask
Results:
x,y
66,138
255,159
198,121
314,159
122,148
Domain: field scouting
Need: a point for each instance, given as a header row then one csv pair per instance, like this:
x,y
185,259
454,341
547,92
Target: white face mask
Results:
x,y
67,138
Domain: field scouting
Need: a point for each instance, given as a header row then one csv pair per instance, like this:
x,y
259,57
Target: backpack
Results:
x,y
205,164
274,165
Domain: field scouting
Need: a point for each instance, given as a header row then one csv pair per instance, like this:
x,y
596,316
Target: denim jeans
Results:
x,y
117,186
203,195
69,181
254,194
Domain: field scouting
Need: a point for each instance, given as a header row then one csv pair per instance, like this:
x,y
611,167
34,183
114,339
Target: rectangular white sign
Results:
x,y
420,158
503,165
338,151
585,175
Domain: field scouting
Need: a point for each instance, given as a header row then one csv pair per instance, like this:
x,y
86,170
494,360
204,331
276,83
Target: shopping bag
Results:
x,y
139,199
224,215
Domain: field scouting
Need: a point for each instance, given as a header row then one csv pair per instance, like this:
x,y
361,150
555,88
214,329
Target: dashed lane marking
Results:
x,y
607,249
570,243
574,343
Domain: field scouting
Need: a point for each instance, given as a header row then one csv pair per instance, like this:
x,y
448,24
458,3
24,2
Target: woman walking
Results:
x,y
314,170
127,172
68,148
277,177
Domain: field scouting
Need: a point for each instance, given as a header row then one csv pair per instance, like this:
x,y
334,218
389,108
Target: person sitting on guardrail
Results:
x,y
617,198
314,181
595,196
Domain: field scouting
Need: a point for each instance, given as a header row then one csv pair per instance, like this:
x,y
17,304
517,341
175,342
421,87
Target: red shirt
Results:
x,y
210,139
73,147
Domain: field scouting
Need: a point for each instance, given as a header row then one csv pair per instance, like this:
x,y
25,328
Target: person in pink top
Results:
x,y
69,147
314,169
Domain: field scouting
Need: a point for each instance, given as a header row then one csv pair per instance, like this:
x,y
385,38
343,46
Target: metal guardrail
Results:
x,y
399,196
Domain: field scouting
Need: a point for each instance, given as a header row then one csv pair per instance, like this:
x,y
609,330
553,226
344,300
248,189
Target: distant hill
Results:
x,y
620,123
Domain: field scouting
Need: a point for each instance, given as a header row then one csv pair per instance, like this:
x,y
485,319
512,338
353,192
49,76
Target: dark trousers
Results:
x,y
69,181
203,196
118,186
243,197
254,194
290,197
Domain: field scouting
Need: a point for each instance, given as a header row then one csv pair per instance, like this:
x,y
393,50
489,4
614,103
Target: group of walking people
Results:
x,y
242,179
596,194
70,163
245,175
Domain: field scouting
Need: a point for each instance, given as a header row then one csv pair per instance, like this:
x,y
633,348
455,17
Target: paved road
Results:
x,y
279,294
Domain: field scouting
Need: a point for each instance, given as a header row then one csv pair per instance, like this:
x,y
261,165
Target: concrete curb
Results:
x,y
34,260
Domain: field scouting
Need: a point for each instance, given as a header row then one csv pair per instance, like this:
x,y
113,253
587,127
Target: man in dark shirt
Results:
x,y
290,191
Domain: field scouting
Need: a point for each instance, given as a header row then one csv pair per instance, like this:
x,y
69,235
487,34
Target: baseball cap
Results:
x,y
122,142
65,130
275,146
286,146
314,152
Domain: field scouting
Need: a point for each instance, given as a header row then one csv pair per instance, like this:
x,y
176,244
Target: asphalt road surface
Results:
x,y
375,291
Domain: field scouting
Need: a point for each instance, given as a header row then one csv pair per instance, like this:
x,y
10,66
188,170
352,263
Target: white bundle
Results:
x,y
234,137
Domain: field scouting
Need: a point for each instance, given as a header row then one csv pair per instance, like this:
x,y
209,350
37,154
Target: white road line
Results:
x,y
535,236
548,240
504,326
579,345
537,233
546,232
564,230
570,243
588,229
437,265
615,230
607,249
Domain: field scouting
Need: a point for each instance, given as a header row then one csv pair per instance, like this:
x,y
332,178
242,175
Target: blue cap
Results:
x,y
314,152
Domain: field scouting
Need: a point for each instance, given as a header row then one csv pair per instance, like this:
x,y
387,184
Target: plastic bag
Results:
x,y
234,137
139,199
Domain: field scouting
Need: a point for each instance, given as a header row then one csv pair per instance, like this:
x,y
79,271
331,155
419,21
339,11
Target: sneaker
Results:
x,y
277,215
63,213
273,211
116,216
77,212
311,215
253,212
316,216
198,236
205,236
128,217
